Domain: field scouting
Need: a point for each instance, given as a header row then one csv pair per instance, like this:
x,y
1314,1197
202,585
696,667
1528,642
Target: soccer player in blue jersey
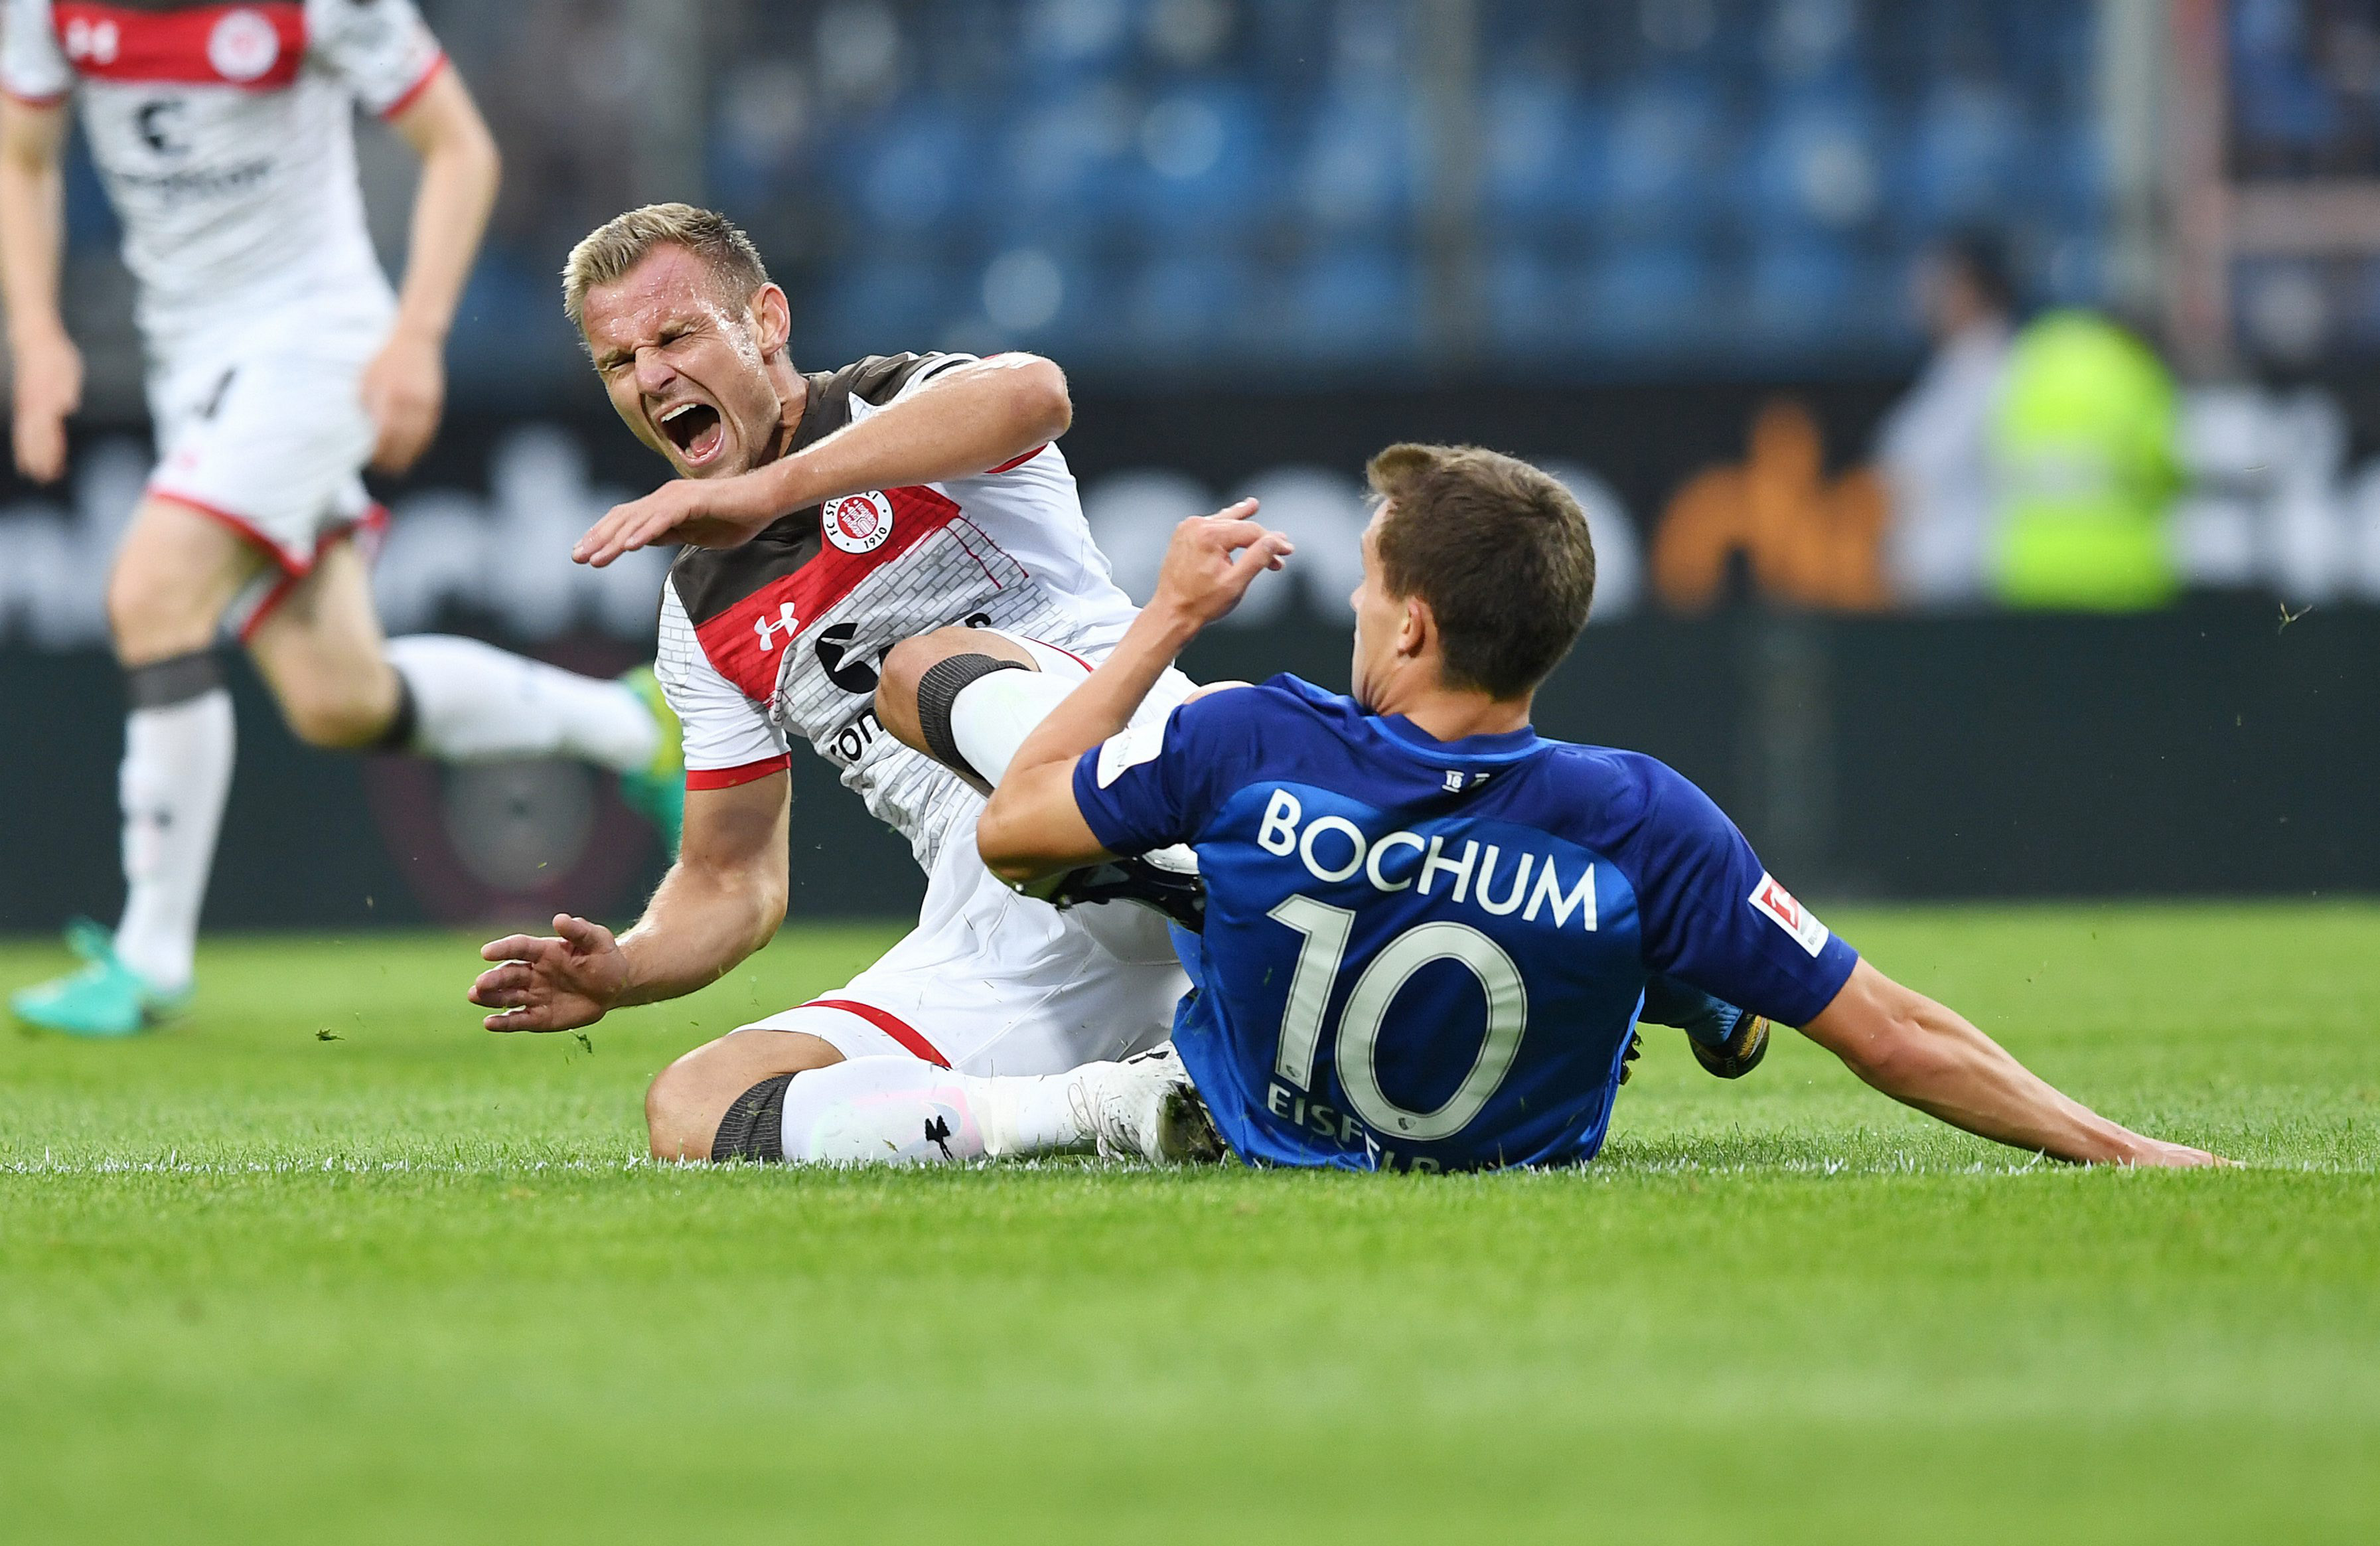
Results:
x,y
1430,929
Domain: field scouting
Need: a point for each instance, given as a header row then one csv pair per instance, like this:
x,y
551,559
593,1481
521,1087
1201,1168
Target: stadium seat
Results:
x,y
1360,301
1356,172
1647,295
1545,154
1203,162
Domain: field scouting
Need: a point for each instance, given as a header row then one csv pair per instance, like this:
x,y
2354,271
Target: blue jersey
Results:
x,y
1429,954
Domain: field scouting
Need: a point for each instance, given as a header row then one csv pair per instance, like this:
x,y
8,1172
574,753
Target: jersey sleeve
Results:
x,y
382,49
1714,916
33,67
1159,784
729,739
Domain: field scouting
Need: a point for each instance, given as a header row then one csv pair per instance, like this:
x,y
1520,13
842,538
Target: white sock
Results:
x,y
175,773
991,716
475,702
900,1112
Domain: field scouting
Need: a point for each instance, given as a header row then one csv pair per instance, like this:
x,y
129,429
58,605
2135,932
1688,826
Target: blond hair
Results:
x,y
1500,551
606,254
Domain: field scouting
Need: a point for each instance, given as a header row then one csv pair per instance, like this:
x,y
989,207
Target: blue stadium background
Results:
x,y
1264,237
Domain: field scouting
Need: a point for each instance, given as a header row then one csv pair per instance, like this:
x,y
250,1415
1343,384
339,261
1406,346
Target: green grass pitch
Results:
x,y
325,1262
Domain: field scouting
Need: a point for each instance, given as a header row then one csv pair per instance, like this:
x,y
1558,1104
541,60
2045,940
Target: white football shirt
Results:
x,y
225,136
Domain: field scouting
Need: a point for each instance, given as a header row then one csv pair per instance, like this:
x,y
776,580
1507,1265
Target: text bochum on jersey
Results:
x,y
1427,955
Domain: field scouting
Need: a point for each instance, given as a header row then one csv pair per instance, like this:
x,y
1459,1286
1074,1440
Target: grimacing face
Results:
x,y
686,371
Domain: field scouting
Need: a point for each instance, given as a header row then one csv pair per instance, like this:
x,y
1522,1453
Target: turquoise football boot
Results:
x,y
106,998
657,790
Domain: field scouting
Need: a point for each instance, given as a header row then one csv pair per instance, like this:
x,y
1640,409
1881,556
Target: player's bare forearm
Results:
x,y
721,902
460,170
32,225
1930,1057
47,368
697,928
404,389
725,898
965,423
1032,826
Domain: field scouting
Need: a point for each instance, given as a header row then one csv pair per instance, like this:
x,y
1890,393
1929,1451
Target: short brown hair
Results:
x,y
1497,549
607,254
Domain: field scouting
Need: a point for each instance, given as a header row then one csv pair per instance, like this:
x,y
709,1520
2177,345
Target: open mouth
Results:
x,y
696,430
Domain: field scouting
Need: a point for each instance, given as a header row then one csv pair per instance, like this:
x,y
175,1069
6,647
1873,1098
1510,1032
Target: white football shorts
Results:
x,y
267,434
991,982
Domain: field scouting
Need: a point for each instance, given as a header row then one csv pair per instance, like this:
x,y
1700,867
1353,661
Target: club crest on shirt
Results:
x,y
858,522
243,45
1778,903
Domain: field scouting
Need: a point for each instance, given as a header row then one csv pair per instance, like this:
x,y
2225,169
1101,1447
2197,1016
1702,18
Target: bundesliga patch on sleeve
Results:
x,y
1788,914
1139,744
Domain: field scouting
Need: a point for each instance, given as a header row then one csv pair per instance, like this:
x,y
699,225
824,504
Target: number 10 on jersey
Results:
x,y
1326,931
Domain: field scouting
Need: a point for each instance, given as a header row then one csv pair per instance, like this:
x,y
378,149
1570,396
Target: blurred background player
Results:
x,y
279,364
1428,930
1936,446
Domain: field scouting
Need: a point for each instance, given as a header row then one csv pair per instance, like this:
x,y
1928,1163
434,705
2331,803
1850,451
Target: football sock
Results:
x,y
900,1111
991,715
474,702
179,744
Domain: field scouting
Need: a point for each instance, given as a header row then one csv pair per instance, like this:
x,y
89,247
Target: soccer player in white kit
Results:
x,y
832,516
280,364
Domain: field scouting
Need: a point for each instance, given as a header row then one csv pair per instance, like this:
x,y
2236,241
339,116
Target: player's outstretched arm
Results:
x,y
1930,1057
47,365
1032,826
963,422
722,901
405,387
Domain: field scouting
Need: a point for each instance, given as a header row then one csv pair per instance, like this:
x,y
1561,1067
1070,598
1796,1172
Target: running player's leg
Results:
x,y
278,444
341,684
175,573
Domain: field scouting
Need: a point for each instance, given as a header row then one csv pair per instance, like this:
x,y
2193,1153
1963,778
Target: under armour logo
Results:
x,y
785,620
938,1133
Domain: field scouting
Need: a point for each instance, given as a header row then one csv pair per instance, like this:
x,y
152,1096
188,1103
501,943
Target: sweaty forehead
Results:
x,y
670,285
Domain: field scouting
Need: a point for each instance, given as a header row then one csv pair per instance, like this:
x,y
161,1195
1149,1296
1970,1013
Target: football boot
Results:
x,y
1166,881
657,790
1728,1041
1144,1108
105,998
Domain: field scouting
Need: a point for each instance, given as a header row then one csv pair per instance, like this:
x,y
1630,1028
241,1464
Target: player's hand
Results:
x,y
2178,1156
404,390
1213,562
705,513
551,984
48,387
